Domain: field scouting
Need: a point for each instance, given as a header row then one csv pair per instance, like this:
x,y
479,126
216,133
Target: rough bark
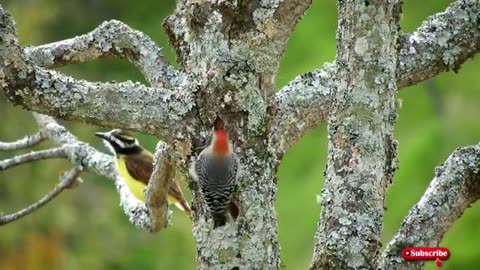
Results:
x,y
230,52
361,149
443,42
56,94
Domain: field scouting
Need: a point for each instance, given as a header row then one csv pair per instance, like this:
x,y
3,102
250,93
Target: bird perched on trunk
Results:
x,y
216,170
135,164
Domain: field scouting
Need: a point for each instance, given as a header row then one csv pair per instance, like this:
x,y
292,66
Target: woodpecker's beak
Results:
x,y
102,135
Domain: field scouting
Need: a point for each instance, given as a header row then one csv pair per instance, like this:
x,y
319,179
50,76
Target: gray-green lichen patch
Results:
x,y
251,102
266,11
361,46
218,248
258,197
46,57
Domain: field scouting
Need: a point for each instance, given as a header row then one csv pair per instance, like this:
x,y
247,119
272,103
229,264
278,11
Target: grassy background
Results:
x,y
86,229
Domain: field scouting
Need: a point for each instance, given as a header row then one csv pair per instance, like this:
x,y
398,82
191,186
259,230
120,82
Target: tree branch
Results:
x,y
22,159
81,154
158,186
444,41
126,105
111,38
66,180
23,143
286,15
301,105
454,188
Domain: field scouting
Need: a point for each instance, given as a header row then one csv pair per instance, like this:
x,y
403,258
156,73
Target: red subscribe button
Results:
x,y
425,253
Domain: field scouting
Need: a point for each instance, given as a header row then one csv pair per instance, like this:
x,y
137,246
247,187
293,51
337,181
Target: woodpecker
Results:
x,y
216,170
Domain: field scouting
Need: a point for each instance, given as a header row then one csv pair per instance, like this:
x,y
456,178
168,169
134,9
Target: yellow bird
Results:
x,y
135,164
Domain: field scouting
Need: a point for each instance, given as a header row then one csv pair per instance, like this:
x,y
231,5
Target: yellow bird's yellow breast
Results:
x,y
136,187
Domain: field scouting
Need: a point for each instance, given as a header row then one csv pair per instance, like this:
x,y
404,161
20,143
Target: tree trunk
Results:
x,y
361,149
233,51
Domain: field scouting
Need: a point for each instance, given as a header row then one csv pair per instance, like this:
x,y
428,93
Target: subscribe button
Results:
x,y
425,253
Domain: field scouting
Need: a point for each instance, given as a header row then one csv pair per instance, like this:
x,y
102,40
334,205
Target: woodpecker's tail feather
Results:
x,y
219,220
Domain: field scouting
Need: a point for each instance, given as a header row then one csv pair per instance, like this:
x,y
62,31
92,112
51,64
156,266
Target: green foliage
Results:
x,y
86,229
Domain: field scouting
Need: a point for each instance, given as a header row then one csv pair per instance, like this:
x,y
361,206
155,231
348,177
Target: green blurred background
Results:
x,y
85,228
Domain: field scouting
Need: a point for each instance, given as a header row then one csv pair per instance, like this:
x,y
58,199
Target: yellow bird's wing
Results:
x,y
140,168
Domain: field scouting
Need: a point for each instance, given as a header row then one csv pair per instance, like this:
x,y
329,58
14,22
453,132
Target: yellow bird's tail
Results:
x,y
182,205
175,196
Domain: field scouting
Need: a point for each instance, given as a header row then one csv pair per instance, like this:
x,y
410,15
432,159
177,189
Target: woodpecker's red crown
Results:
x,y
220,143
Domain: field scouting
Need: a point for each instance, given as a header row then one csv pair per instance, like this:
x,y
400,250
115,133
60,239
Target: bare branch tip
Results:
x,y
23,143
58,152
66,180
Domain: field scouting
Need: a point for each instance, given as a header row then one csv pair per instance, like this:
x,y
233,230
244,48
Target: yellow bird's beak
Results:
x,y
102,135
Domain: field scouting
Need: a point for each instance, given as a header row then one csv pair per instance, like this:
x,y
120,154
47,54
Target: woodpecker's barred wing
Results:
x,y
217,170
235,168
216,177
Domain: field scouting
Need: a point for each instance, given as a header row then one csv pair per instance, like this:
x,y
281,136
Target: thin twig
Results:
x,y
23,143
66,181
58,152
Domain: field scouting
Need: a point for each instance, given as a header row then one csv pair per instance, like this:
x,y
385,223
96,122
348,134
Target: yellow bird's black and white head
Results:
x,y
120,142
